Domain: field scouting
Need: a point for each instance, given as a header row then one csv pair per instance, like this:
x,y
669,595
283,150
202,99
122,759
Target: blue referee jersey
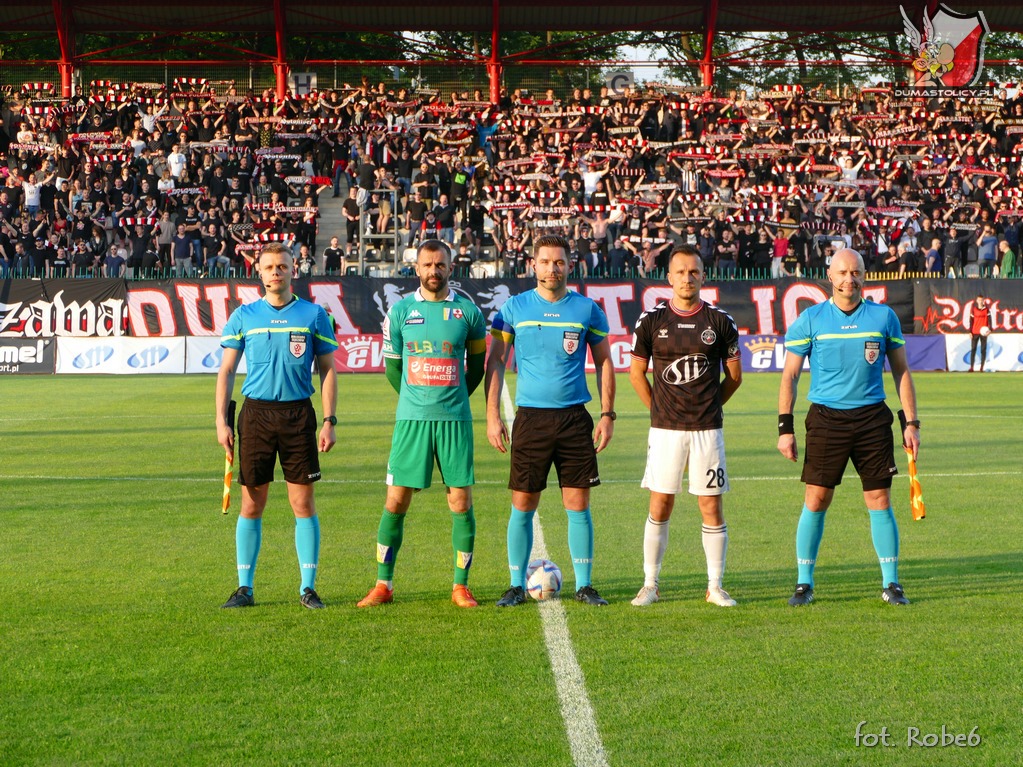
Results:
x,y
846,351
280,346
550,341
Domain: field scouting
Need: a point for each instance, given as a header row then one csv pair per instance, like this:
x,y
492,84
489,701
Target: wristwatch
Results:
x,y
610,414
331,419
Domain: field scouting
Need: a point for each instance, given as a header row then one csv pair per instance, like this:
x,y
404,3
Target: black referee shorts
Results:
x,y
270,429
863,434
562,437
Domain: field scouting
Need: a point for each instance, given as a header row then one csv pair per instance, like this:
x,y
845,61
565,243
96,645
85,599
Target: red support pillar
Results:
x,y
67,74
281,64
66,38
494,66
280,79
710,31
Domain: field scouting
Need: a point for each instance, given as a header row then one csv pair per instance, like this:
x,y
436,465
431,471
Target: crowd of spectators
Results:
x,y
187,178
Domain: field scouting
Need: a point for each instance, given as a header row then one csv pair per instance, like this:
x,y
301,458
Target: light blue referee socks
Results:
x,y
580,545
809,532
248,535
520,544
307,545
885,534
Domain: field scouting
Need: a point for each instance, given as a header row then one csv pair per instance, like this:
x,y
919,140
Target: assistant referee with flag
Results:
x,y
847,341
281,336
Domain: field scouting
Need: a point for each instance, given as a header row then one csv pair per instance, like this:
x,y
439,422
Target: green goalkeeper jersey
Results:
x,y
431,338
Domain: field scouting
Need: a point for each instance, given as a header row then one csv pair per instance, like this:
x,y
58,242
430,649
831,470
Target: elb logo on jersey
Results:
x,y
872,351
453,313
570,341
708,336
297,344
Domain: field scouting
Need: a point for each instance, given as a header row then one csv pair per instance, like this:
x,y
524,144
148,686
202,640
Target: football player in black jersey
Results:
x,y
690,343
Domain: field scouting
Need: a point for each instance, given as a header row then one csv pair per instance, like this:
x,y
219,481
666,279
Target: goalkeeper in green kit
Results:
x,y
434,348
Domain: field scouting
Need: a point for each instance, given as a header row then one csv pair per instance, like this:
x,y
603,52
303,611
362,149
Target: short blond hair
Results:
x,y
274,247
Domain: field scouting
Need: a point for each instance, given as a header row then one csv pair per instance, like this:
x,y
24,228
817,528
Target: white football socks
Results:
x,y
715,544
655,542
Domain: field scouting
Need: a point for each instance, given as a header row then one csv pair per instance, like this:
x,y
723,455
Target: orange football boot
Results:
x,y
378,595
462,597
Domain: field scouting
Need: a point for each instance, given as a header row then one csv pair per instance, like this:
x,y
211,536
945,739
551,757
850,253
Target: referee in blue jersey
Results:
x,y
847,340
550,328
281,336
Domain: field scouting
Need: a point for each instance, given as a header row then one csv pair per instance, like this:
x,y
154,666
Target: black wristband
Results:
x,y
786,424
904,423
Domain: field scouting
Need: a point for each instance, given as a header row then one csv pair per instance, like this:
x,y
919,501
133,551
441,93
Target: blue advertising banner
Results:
x,y
766,354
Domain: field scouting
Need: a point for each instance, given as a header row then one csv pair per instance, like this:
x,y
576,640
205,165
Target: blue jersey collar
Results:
x,y
536,292
292,302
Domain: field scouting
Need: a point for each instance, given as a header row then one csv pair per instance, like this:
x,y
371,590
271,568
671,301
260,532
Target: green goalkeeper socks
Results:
x,y
463,537
389,536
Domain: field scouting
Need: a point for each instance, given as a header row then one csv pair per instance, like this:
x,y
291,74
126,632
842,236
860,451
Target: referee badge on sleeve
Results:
x,y
570,341
297,344
872,351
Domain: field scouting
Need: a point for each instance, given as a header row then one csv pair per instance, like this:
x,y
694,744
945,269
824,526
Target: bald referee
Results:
x,y
847,341
281,336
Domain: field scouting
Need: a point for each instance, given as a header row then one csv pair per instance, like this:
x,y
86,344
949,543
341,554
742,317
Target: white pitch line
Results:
x,y
204,419
580,724
636,481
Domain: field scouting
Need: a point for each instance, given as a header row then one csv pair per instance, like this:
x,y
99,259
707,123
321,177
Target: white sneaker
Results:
x,y
646,596
718,596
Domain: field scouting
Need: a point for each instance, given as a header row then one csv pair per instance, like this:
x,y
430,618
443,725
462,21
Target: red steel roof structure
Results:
x,y
69,19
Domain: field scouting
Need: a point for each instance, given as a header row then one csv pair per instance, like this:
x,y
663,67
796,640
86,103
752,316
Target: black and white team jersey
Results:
x,y
688,350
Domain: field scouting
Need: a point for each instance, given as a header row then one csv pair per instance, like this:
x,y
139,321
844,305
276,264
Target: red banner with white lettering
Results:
x,y
102,308
358,305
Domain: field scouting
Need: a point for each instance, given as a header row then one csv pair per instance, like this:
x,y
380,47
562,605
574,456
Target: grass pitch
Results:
x,y
114,559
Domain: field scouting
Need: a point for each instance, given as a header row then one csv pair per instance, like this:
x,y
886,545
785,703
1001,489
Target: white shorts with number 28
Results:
x,y
668,452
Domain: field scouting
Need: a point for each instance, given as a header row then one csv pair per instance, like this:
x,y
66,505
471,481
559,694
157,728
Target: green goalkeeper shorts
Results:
x,y
417,445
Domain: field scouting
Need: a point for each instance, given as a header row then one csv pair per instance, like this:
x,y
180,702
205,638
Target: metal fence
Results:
x,y
459,77
746,275
445,78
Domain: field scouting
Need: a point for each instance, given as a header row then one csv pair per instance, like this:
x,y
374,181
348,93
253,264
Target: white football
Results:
x,y
985,331
543,579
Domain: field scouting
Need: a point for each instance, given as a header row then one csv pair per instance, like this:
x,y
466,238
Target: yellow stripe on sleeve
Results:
x,y
832,336
328,339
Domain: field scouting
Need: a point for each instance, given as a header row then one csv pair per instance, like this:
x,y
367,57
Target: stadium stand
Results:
x,y
101,183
